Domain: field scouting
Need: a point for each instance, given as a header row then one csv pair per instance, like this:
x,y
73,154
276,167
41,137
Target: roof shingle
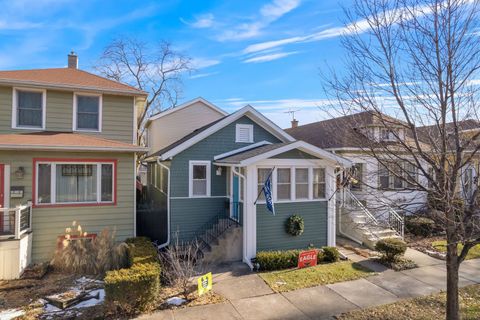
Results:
x,y
67,78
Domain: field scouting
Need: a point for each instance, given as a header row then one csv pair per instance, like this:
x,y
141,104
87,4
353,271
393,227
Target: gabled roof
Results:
x,y
66,78
185,105
343,132
48,140
201,133
267,151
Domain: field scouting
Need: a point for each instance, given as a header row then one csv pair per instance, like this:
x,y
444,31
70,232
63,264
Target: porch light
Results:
x,y
219,171
20,172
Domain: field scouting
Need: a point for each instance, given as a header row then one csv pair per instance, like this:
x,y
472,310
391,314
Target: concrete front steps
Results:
x,y
226,248
356,226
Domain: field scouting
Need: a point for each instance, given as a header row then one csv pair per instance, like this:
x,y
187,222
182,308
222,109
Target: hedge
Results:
x,y
286,259
134,289
420,226
391,248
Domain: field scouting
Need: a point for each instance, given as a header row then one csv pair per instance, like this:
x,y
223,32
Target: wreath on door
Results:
x,y
295,225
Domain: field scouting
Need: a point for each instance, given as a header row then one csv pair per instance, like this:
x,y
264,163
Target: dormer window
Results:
x,y
87,112
244,133
389,134
28,108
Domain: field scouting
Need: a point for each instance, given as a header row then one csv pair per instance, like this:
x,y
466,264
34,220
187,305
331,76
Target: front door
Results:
x,y
235,198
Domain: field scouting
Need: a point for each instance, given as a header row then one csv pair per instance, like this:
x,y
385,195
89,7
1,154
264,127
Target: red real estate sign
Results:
x,y
307,259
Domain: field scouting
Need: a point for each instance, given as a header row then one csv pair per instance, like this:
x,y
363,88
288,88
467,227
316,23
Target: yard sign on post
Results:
x,y
307,259
205,283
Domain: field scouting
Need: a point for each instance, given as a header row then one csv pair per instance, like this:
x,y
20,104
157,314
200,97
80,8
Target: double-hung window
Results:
x,y
319,183
262,176
72,182
29,108
199,179
397,175
87,112
301,183
283,184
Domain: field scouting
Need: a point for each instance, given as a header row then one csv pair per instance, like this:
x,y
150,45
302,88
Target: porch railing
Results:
x,y
14,222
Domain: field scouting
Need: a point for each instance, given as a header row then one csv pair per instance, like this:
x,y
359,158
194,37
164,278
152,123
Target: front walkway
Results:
x,y
250,298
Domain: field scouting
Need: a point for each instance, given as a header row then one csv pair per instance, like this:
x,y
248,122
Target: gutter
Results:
x,y
245,258
71,148
163,245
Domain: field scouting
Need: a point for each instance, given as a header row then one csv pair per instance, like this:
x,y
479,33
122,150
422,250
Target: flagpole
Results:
x,y
261,190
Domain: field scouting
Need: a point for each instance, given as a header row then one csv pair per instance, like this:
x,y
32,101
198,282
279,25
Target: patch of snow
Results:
x,y
11,314
85,280
280,283
176,301
94,301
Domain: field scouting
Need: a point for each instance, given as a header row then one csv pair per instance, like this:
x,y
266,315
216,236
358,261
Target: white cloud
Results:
x,y
201,22
269,57
357,27
268,13
203,75
200,63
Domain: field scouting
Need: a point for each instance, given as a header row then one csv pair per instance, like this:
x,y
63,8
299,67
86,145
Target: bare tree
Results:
x,y
417,61
156,70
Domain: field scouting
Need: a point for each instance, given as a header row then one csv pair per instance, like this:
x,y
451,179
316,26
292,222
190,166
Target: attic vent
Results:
x,y
244,133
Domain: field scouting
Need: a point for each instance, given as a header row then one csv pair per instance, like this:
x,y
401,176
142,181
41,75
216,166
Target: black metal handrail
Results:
x,y
208,233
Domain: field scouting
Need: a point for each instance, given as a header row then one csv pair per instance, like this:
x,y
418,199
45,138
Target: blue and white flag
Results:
x,y
267,191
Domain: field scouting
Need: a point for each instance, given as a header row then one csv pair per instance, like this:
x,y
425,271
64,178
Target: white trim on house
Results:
x,y
6,186
238,133
243,149
245,111
135,120
14,108
302,146
53,182
100,111
185,105
208,166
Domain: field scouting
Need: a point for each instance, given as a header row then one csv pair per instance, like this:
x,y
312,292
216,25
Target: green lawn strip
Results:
x,y
421,308
291,279
441,246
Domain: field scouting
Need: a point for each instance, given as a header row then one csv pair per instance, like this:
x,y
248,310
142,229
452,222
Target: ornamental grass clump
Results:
x,y
79,253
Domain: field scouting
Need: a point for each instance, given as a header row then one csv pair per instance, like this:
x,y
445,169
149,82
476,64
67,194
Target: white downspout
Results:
x,y
168,205
247,261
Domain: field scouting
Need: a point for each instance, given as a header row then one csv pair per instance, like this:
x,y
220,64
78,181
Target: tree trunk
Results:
x,y
452,282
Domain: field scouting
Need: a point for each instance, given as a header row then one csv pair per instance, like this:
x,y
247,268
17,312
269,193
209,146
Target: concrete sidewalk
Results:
x,y
250,298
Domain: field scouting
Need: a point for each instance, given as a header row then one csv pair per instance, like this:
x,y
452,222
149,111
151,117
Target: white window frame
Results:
x,y
293,195
240,126
192,163
15,107
53,182
75,107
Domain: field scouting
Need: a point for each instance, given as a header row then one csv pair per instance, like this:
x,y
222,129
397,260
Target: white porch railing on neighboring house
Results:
x,y
395,221
14,222
352,202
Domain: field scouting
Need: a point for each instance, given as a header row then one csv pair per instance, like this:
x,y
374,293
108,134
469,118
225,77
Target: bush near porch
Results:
x,y
286,259
134,289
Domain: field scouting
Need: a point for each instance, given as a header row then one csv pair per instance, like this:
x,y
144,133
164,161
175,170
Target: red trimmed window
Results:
x,y
66,182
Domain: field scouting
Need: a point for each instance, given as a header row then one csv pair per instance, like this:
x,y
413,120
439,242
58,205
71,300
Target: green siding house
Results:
x,y
67,153
212,178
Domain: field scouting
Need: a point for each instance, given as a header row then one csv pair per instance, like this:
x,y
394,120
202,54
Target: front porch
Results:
x,y
15,240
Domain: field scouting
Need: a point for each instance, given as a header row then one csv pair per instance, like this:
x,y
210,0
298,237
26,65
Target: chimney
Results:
x,y
73,60
294,123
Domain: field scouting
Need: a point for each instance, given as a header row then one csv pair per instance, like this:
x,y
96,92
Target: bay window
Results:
x,y
74,182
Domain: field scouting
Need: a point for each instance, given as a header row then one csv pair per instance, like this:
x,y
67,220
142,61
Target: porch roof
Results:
x,y
63,141
266,151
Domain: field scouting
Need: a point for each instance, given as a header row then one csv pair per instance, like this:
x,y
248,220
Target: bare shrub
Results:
x,y
181,264
80,254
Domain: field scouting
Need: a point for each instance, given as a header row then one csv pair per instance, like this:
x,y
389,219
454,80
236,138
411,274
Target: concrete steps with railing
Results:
x,y
359,224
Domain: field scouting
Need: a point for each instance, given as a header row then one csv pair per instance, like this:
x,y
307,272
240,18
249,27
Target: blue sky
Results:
x,y
265,53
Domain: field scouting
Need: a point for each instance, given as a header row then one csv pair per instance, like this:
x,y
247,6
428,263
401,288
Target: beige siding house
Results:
x,y
168,126
67,153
